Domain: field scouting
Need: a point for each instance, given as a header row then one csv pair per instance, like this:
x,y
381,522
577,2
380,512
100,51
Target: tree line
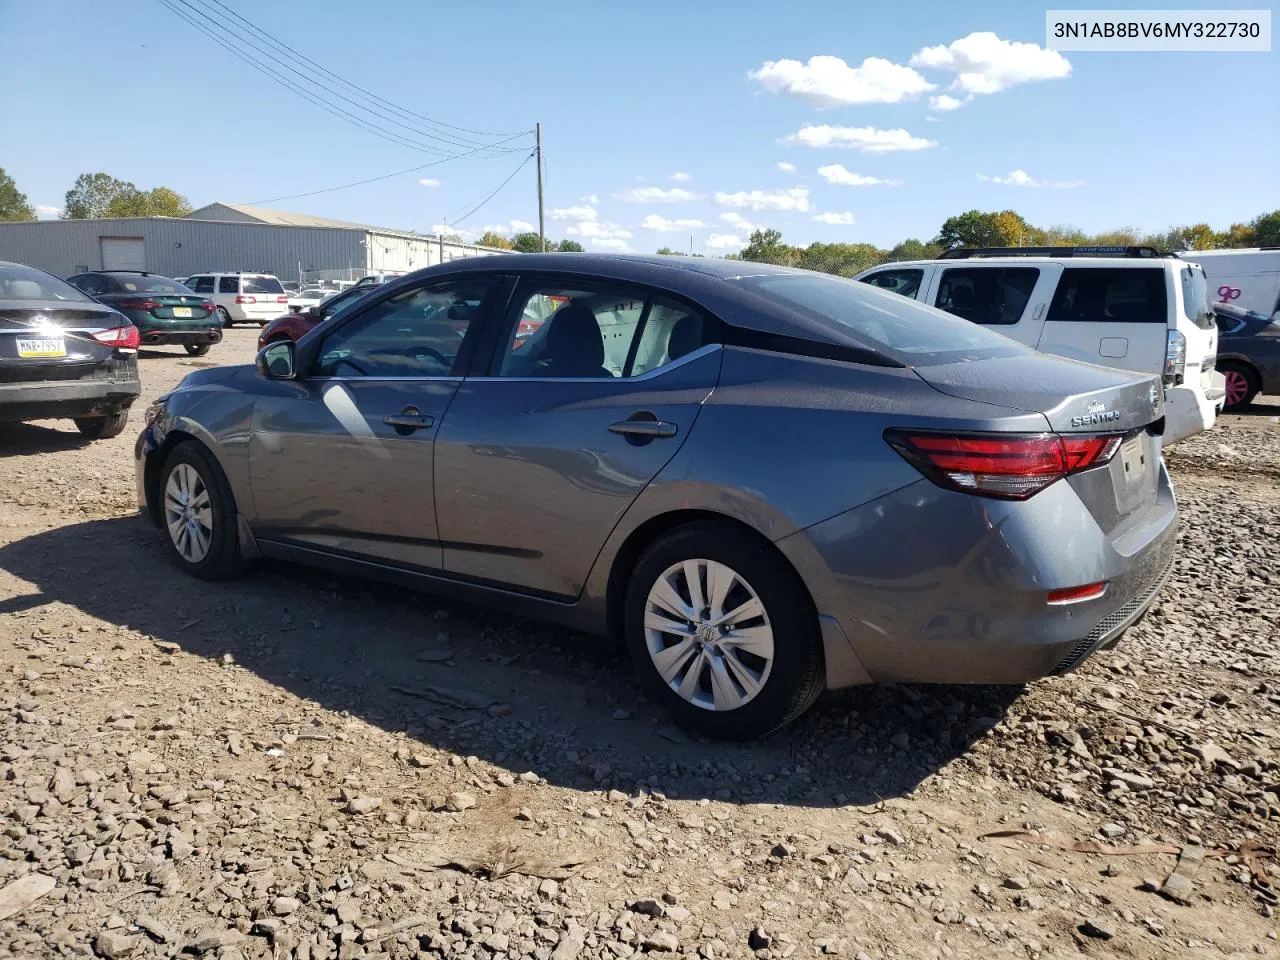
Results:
x,y
96,196
522,243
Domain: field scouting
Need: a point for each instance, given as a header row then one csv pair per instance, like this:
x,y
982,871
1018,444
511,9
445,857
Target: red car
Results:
x,y
292,326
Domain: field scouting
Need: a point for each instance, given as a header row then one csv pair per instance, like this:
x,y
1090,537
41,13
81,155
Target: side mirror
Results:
x,y
276,360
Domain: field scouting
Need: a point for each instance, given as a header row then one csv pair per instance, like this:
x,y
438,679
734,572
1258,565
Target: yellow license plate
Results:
x,y
182,311
42,347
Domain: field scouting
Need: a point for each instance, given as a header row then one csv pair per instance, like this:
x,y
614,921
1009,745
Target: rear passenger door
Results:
x,y
1114,316
1012,299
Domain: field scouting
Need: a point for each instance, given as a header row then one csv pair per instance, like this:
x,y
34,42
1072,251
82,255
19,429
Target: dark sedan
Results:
x,y
767,482
1248,354
64,355
163,310
294,326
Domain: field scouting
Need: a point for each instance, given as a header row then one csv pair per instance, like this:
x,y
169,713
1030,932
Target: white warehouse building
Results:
x,y
228,237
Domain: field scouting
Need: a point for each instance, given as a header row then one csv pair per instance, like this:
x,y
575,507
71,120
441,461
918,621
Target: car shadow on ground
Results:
x,y
478,682
24,439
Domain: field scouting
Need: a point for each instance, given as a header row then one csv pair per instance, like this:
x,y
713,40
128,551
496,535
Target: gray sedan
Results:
x,y
766,482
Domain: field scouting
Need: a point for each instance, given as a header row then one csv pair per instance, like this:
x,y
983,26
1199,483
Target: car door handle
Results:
x,y
409,422
648,429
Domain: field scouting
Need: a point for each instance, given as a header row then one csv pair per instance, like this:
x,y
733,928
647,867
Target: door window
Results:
x,y
416,333
89,283
201,284
905,282
987,295
228,285
1195,297
1110,295
595,333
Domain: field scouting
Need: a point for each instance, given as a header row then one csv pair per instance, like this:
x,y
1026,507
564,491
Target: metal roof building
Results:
x,y
227,237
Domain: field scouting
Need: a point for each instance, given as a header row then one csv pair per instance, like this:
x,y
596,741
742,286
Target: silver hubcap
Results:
x,y
188,513
708,635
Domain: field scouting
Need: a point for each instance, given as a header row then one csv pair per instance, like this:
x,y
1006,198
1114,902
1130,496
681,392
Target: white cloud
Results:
x,y
830,82
724,241
608,243
598,230
656,195
521,226
429,182
655,222
841,219
794,198
786,167
573,213
591,198
681,176
514,226
944,103
866,139
837,174
463,232
984,63
738,221
43,210
1020,178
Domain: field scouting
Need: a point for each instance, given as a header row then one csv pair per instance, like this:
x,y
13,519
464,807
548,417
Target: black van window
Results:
x,y
1110,295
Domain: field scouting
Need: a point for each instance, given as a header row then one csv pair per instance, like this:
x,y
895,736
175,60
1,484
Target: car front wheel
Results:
x,y
723,632
198,513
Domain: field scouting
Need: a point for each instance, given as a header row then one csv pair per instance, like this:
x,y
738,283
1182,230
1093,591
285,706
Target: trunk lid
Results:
x,y
40,341
189,306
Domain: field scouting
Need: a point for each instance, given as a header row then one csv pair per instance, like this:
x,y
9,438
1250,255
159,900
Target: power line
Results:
x,y
491,195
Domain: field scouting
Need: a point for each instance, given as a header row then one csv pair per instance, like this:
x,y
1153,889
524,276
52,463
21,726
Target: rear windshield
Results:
x,y
152,285
896,326
23,283
1110,295
1195,297
261,285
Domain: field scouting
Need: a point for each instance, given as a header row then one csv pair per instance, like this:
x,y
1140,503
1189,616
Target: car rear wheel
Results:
x,y
197,349
103,428
225,318
1242,384
198,513
723,633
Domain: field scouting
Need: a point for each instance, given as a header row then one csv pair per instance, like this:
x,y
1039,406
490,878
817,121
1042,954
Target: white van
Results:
x,y
1248,278
242,297
1125,307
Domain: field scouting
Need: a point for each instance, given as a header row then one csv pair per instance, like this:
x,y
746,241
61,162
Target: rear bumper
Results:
x,y
931,586
73,398
1189,409
193,337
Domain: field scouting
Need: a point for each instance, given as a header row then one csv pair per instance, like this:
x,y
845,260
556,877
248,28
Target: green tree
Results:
x,y
1238,235
491,239
1119,237
914,250
1266,229
168,203
842,259
526,243
567,246
766,246
1062,235
1003,228
160,202
91,195
13,203
668,252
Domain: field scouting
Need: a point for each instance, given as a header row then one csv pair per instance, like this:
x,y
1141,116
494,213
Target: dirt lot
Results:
x,y
281,767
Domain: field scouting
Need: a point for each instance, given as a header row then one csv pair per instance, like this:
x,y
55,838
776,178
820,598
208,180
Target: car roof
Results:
x,y
1013,261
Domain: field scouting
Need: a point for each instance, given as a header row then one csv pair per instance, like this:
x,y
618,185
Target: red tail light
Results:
x,y
1011,466
244,299
282,299
208,306
1070,595
122,338
140,304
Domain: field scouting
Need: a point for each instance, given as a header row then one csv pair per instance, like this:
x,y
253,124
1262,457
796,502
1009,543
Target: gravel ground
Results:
x,y
298,766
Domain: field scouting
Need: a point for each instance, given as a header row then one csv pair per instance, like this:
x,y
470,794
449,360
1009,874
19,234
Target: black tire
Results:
x,y
1252,383
797,675
103,428
222,559
197,349
227,322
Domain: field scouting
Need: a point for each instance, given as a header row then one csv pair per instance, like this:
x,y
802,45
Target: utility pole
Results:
x,y
542,233
440,237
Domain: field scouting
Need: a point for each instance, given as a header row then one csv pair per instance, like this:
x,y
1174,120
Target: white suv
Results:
x,y
242,297
1126,307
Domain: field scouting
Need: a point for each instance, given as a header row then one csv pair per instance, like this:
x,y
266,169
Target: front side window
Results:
x,y
1195,297
904,282
228,284
597,333
25,283
1110,295
987,295
201,284
416,333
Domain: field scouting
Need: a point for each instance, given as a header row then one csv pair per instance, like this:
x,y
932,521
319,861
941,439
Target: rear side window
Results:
x,y
228,285
1110,295
987,295
201,284
1195,297
262,285
905,282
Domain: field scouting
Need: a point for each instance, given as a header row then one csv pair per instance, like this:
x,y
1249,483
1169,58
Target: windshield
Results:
x,y
152,285
23,283
912,332
261,285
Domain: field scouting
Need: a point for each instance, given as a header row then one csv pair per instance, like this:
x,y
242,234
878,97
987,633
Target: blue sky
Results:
x,y
631,95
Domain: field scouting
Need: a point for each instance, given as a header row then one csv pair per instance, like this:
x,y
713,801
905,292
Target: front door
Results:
x,y
342,460
593,389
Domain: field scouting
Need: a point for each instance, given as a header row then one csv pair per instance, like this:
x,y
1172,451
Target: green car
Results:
x,y
163,310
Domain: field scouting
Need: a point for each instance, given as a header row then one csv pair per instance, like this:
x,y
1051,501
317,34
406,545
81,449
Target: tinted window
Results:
x,y
905,282
1110,295
228,284
1228,324
24,283
990,295
262,285
201,284
1195,297
899,327
416,333
338,301
90,283
132,284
